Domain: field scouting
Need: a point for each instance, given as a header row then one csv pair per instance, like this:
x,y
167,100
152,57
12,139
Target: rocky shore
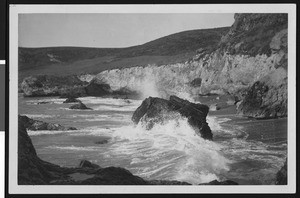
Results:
x,y
34,171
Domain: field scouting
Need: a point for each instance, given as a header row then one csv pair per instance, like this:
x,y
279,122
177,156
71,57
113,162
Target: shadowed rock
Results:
x,y
36,125
80,105
87,164
266,98
157,110
281,176
97,88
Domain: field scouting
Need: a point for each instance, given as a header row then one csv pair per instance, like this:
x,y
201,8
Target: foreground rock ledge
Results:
x,y
36,125
157,110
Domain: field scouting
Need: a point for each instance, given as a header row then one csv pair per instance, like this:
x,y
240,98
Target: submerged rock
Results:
x,y
80,105
36,125
281,176
157,110
105,141
43,102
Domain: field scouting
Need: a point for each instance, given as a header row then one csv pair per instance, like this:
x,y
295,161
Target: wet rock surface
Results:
x,y
157,110
36,125
281,176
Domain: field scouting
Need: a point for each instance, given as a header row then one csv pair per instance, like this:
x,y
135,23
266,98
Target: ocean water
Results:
x,y
244,150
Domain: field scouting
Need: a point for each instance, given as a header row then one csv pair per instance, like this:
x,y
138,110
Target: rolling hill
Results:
x,y
174,48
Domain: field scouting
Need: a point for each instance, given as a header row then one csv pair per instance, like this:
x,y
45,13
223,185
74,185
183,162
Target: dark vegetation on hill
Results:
x,y
251,34
174,48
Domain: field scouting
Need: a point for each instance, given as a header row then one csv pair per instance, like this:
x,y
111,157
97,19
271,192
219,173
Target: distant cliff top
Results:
x,y
252,34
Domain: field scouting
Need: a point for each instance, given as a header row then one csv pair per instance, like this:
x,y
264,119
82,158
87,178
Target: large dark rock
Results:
x,y
87,164
46,85
31,169
281,176
157,110
98,88
36,125
80,105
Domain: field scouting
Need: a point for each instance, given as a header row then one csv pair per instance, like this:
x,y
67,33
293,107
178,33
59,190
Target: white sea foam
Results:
x,y
109,101
47,100
173,144
44,132
39,116
114,108
74,148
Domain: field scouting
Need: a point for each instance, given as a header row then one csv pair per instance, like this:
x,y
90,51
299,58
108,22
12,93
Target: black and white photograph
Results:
x,y
152,98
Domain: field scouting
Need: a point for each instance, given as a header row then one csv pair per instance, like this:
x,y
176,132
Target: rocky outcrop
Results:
x,y
87,164
31,169
44,85
80,106
36,125
97,88
281,176
157,110
266,98
252,34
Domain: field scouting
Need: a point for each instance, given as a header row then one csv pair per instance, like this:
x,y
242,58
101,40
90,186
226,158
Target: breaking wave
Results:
x,y
174,151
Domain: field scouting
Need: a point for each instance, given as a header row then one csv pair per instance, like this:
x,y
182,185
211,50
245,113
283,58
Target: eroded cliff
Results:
x,y
254,51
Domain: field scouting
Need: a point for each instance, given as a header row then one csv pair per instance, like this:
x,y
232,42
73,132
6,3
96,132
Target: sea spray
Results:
x,y
170,151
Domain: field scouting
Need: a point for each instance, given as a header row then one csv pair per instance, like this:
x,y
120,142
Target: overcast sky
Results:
x,y
109,30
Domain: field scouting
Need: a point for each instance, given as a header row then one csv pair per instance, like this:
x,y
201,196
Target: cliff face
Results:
x,y
254,50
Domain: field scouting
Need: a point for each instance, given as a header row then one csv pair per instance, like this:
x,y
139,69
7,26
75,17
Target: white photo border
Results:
x,y
16,9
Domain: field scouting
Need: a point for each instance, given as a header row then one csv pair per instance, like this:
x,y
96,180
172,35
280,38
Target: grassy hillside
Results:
x,y
170,49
